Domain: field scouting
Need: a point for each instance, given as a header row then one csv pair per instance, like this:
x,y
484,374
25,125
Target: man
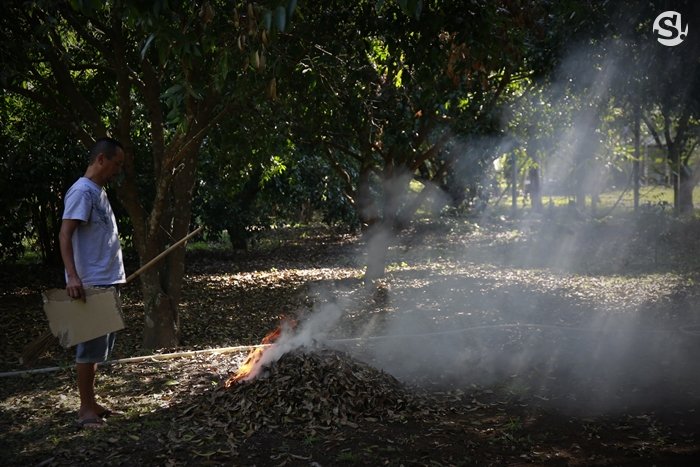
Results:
x,y
92,256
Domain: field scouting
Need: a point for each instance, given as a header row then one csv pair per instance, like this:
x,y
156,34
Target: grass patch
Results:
x,y
656,197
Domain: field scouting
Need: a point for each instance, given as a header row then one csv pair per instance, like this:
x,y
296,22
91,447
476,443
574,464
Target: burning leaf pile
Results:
x,y
322,389
252,364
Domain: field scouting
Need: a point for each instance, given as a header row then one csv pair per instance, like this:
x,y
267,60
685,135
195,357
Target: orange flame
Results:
x,y
250,364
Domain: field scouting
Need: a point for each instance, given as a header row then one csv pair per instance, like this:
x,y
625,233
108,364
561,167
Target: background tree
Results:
x,y
604,81
253,177
394,101
31,184
391,92
661,82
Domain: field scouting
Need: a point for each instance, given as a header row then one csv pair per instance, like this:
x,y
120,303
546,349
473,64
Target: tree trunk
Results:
x,y
533,174
514,182
366,207
637,156
161,320
378,241
580,188
535,189
381,234
241,211
686,184
161,287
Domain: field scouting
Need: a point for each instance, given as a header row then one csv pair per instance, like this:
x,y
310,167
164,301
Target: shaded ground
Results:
x,y
546,343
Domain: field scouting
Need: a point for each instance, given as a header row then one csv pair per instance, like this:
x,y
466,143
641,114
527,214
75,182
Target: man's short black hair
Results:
x,y
105,145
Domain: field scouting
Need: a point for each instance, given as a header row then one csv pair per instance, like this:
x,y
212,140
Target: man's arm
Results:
x,y
74,286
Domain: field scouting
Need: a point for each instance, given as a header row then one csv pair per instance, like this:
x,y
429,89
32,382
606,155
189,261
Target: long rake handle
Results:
x,y
162,255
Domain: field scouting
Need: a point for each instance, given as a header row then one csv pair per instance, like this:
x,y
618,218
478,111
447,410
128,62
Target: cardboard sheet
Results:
x,y
75,321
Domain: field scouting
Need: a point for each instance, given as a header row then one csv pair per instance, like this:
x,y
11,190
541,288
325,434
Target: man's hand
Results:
x,y
75,289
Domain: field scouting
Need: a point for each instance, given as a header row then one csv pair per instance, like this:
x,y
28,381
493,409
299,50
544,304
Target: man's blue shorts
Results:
x,y
98,349
95,350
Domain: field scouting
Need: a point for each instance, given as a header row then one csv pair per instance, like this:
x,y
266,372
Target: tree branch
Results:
x,y
151,93
650,126
67,85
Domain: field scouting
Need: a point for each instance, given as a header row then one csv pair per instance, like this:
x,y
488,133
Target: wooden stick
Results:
x,y
143,358
152,262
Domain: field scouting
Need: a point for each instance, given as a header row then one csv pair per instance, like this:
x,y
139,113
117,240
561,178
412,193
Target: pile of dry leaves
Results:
x,y
314,390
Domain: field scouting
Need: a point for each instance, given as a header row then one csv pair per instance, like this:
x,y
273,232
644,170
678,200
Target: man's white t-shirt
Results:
x,y
96,248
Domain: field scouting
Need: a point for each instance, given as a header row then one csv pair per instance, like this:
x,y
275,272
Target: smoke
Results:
x,y
310,331
580,314
570,322
577,168
586,343
577,313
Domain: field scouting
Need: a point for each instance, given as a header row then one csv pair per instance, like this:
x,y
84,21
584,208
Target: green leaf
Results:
x,y
291,7
267,20
280,18
224,69
172,90
413,7
145,48
418,9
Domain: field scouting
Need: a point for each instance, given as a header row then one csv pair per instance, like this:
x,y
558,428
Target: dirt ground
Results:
x,y
536,342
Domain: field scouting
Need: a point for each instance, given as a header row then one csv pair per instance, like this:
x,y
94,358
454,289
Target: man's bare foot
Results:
x,y
104,412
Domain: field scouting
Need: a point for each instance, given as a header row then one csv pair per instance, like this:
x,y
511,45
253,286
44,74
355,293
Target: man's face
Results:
x,y
113,167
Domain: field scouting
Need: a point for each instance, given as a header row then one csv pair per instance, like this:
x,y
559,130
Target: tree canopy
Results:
x,y
243,114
